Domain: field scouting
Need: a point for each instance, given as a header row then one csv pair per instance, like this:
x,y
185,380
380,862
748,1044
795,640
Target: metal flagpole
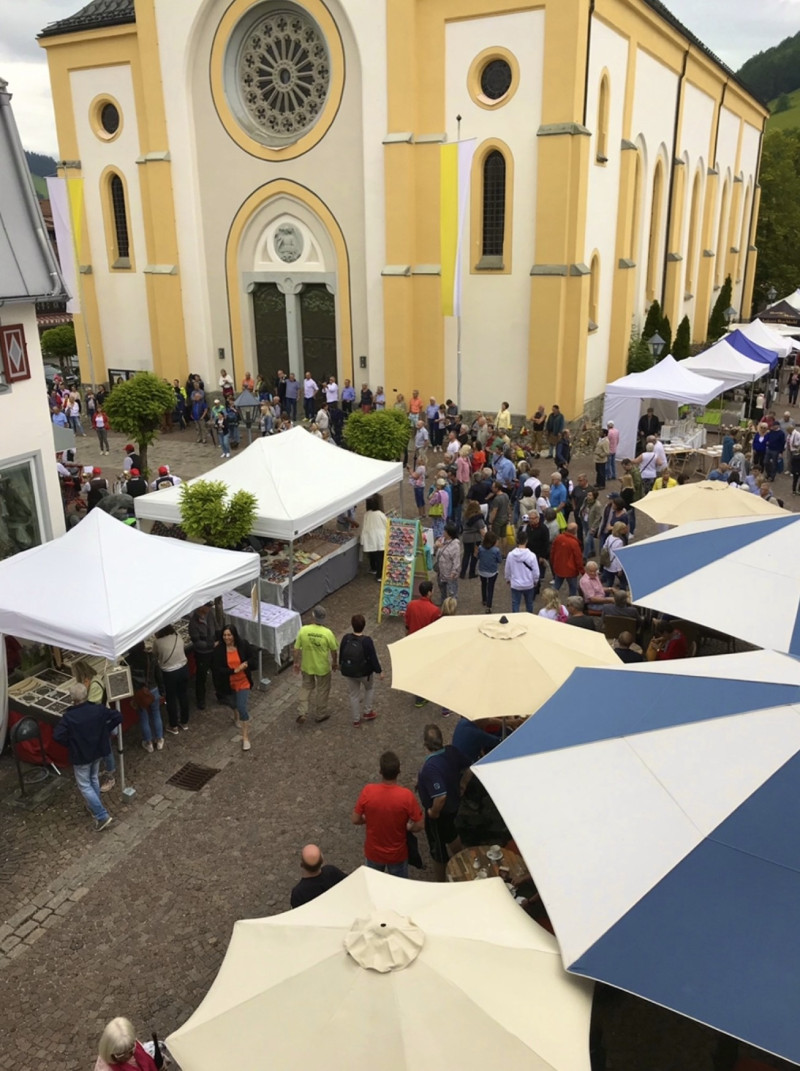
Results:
x,y
458,313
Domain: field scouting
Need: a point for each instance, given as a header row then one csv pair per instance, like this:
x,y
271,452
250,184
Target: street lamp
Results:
x,y
656,344
249,406
730,315
772,293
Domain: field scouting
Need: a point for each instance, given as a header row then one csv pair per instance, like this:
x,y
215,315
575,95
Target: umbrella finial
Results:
x,y
384,942
504,620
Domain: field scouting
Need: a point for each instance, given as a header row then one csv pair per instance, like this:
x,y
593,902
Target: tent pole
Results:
x,y
120,751
291,570
402,507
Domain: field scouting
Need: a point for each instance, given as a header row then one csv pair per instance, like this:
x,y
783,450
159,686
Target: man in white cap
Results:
x,y
613,443
165,479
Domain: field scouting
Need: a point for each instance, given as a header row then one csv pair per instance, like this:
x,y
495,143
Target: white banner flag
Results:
x,y
59,206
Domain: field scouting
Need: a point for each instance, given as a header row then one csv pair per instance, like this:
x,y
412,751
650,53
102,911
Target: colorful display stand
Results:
x,y
405,554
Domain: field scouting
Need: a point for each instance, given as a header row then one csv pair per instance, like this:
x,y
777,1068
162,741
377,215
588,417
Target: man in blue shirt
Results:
x,y
558,492
348,396
85,730
439,789
504,469
776,444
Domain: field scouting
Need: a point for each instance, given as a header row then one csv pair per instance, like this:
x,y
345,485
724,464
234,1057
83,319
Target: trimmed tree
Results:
x,y
208,514
639,356
383,434
665,330
683,340
136,408
652,323
59,342
717,324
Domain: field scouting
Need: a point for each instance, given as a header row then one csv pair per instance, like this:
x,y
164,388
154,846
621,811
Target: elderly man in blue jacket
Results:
x,y
85,730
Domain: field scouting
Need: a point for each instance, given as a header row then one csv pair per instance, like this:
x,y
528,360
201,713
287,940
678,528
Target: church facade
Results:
x,y
261,184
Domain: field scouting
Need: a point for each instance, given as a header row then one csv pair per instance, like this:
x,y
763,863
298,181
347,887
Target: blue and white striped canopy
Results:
x,y
740,576
658,809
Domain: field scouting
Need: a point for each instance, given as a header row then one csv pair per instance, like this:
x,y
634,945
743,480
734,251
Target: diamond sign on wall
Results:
x,y
14,353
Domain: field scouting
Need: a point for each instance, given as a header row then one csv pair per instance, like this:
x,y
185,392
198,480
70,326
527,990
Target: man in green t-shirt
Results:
x,y
316,655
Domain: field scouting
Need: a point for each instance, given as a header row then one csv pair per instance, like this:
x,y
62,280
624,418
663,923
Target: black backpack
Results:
x,y
353,661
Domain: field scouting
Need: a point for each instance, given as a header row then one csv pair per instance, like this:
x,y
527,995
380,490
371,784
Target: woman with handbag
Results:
x,y
146,696
233,678
170,655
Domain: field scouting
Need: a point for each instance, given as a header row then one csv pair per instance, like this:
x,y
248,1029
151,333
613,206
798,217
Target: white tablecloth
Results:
x,y
279,626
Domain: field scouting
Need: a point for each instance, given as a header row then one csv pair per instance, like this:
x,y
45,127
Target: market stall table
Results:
x,y
318,563
466,865
277,629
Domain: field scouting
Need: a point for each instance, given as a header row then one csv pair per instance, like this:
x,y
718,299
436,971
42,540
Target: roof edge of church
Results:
x,y
662,10
93,16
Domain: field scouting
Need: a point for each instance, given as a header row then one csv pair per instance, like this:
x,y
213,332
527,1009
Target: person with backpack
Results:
x,y
358,664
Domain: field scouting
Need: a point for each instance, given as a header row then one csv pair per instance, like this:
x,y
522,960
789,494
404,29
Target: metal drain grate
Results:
x,y
192,777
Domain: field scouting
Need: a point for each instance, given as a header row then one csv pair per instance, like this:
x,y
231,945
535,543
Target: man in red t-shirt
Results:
x,y
419,613
389,812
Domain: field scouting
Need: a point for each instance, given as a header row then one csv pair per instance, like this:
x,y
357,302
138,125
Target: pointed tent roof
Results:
x,y
758,332
300,482
668,380
722,361
752,349
116,609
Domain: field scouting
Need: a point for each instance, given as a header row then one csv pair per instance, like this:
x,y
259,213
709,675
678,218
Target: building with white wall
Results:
x,y
31,511
262,187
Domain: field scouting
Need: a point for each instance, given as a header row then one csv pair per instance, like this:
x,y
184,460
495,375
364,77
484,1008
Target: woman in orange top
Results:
x,y
233,679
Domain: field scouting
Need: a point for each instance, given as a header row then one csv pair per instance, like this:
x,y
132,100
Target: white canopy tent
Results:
x,y
131,584
793,299
299,482
763,335
722,361
667,383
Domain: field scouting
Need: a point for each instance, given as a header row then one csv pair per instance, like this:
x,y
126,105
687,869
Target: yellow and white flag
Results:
x,y
456,168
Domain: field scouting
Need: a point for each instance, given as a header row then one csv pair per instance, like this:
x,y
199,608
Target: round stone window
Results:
x,y
109,118
278,73
496,79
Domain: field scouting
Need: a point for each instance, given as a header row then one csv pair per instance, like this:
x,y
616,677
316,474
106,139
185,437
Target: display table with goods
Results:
x,y
317,564
276,628
404,554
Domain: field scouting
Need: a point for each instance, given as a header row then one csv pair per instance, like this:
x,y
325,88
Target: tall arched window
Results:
x,y
692,248
494,209
722,231
654,247
603,105
594,292
119,218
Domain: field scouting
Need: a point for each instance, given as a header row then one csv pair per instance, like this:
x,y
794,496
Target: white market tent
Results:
x,y
763,335
668,383
722,361
299,482
793,299
130,585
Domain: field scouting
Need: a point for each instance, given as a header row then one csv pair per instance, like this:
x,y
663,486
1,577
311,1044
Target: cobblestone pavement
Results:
x,y
136,920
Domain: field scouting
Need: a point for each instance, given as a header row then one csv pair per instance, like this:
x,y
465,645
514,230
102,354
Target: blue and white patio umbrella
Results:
x,y
740,576
658,810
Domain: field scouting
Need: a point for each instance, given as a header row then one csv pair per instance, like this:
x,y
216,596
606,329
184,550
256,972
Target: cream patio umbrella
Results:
x,y
709,500
384,973
484,667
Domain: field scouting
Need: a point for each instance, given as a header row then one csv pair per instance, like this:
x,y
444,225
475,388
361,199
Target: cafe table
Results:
x,y
462,866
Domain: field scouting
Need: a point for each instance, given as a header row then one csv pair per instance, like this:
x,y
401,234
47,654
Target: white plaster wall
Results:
x,y
121,295
694,147
653,125
25,425
496,308
609,52
212,176
178,25
751,142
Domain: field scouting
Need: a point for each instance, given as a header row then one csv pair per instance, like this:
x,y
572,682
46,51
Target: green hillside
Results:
x,y
789,119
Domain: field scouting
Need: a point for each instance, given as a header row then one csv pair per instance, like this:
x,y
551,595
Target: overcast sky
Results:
x,y
734,29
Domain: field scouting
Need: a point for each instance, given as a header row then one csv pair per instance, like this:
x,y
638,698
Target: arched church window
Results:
x,y
494,205
119,217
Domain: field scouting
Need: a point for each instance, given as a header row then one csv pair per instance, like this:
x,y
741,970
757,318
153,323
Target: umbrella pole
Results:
x,y
120,751
264,680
